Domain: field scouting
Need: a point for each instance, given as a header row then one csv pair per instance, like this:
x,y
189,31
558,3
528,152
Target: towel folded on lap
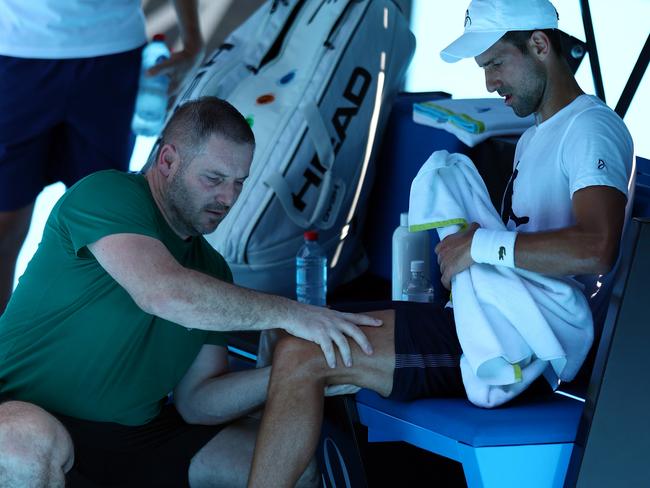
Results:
x,y
513,325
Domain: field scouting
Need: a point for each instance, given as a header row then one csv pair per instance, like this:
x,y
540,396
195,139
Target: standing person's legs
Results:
x,y
416,354
60,120
29,107
97,125
35,449
13,230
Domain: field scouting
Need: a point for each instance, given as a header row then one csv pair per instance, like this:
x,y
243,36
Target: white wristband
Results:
x,y
495,247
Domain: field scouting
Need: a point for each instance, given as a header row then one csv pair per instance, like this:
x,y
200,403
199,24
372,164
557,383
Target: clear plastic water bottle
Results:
x,y
418,288
407,247
151,102
311,271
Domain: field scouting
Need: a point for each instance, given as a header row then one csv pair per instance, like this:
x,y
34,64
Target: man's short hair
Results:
x,y
519,39
195,121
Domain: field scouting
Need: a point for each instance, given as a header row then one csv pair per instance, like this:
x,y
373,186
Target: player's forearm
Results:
x,y
196,300
226,397
570,251
188,20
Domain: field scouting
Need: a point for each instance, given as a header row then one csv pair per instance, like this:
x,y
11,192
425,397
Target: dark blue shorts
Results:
x,y
61,120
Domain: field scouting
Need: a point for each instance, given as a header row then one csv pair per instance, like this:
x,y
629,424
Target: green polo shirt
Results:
x,y
72,340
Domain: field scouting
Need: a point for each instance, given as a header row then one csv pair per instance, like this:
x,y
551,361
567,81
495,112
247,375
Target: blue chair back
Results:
x,y
598,290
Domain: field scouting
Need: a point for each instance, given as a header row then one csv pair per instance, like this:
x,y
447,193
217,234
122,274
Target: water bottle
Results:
x,y
151,102
311,271
418,288
407,247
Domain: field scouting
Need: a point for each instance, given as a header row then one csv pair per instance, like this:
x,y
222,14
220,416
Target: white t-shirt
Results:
x,y
584,144
62,29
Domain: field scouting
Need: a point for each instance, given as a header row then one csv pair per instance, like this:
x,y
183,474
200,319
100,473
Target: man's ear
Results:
x,y
168,160
539,45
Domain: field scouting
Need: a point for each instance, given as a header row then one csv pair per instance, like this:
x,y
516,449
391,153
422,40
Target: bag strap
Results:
x,y
317,132
270,30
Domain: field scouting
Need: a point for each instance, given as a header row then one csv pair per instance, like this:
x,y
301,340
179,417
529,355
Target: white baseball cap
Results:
x,y
486,21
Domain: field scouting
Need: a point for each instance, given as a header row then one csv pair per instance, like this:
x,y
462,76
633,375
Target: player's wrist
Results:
x,y
496,247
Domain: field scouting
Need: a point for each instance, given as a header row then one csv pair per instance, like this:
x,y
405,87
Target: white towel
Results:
x,y
512,324
471,120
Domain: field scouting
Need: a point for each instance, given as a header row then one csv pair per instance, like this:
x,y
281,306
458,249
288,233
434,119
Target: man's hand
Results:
x,y
454,253
178,66
327,327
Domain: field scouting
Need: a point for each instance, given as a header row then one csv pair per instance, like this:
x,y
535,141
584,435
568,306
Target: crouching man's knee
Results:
x,y
35,448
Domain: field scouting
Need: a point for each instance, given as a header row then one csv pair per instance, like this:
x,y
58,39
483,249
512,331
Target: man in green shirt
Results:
x,y
123,303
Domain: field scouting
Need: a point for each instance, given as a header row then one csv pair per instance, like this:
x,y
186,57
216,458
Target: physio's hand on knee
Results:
x,y
327,327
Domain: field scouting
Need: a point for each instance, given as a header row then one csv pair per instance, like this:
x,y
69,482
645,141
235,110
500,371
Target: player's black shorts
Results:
x,y
427,351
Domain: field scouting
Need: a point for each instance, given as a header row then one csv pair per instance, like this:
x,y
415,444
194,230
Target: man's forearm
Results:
x,y
188,20
564,252
196,300
590,246
161,286
226,397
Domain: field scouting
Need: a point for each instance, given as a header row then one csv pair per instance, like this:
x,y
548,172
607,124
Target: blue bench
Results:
x,y
525,444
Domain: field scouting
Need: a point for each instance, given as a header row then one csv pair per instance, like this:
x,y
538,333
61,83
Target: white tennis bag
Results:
x,y
315,79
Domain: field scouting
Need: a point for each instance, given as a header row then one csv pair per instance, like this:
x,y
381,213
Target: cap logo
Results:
x,y
468,19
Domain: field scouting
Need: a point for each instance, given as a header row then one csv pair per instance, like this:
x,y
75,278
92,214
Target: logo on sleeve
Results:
x,y
468,19
602,164
502,253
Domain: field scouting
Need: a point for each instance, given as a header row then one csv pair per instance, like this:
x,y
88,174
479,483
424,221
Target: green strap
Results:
x,y
441,223
518,375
